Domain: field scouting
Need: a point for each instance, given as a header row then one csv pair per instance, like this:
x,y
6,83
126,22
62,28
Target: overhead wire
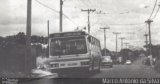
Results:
x,y
140,26
47,6
55,11
128,24
153,10
91,4
83,3
156,13
131,24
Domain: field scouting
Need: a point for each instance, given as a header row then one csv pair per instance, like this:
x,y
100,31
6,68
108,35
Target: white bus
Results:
x,y
74,51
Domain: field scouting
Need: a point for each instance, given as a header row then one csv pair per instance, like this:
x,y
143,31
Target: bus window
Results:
x,y
89,39
68,46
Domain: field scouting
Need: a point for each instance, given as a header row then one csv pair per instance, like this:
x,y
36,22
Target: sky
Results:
x,y
125,16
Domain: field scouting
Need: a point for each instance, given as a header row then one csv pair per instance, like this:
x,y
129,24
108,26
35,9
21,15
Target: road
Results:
x,y
135,70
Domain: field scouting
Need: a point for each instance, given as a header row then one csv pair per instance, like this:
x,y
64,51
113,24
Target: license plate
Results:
x,y
69,64
72,64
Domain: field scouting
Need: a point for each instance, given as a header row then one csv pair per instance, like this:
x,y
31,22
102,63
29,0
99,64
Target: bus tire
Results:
x,y
99,68
91,68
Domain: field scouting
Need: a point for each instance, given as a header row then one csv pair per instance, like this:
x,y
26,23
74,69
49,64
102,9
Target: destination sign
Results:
x,y
67,34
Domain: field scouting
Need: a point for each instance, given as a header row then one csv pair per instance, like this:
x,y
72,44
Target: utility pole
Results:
x,y
150,43
146,36
28,38
61,16
122,38
149,33
105,39
88,11
48,39
126,44
116,33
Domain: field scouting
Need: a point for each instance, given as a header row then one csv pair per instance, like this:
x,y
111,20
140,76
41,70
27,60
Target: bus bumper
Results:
x,y
70,70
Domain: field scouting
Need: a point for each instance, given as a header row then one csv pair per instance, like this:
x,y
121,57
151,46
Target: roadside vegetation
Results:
x,y
13,51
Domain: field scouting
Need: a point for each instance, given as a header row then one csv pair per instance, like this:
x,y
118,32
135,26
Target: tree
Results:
x,y
20,38
108,53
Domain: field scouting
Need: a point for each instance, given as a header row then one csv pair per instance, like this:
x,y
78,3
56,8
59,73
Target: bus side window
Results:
x,y
89,39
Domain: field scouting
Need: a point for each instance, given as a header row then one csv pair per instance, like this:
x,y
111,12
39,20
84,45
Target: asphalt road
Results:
x,y
135,70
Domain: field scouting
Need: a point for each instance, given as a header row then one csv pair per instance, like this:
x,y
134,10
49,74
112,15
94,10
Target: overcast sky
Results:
x,y
117,14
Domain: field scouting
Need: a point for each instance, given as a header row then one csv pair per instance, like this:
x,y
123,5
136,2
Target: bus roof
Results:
x,y
67,34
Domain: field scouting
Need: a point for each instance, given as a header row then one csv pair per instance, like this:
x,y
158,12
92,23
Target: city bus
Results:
x,y
71,51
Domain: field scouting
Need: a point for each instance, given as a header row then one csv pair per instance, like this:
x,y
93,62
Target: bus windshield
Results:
x,y
68,46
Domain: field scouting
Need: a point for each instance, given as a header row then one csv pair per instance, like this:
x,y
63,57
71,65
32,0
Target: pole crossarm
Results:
x,y
89,10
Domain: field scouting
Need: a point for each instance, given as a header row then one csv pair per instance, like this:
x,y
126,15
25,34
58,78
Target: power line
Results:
x,y
153,9
89,1
91,5
70,20
141,27
55,11
84,3
156,12
127,24
47,6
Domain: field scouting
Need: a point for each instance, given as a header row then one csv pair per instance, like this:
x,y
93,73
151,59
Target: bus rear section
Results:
x,y
70,52
70,65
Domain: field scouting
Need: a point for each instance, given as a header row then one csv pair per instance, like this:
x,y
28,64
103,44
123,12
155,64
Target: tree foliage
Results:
x,y
13,51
